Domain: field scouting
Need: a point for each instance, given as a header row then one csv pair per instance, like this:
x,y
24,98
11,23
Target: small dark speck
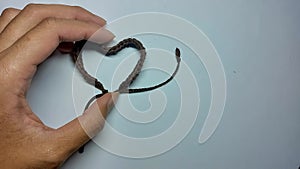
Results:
x,y
234,72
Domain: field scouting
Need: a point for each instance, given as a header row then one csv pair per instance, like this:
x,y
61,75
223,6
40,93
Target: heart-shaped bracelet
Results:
x,y
124,86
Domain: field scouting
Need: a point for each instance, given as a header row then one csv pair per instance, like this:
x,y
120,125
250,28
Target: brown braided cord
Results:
x,y
134,43
77,58
123,88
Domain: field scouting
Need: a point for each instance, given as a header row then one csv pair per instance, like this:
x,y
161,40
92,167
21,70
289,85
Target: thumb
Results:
x,y
80,130
93,119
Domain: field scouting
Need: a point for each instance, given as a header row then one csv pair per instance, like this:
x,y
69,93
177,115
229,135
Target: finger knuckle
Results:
x,y
49,22
8,12
32,9
31,6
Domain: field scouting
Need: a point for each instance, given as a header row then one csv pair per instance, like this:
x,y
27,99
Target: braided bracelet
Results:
x,y
124,86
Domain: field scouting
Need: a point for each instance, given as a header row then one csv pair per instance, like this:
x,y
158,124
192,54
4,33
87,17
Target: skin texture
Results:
x,y
27,37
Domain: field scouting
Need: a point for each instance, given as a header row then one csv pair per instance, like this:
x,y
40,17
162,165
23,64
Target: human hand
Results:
x,y
27,38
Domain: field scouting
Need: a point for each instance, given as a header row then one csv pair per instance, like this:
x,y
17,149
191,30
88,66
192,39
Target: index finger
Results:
x,y
33,14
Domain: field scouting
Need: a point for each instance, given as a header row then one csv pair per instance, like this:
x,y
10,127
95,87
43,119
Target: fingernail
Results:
x,y
100,21
112,100
102,36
